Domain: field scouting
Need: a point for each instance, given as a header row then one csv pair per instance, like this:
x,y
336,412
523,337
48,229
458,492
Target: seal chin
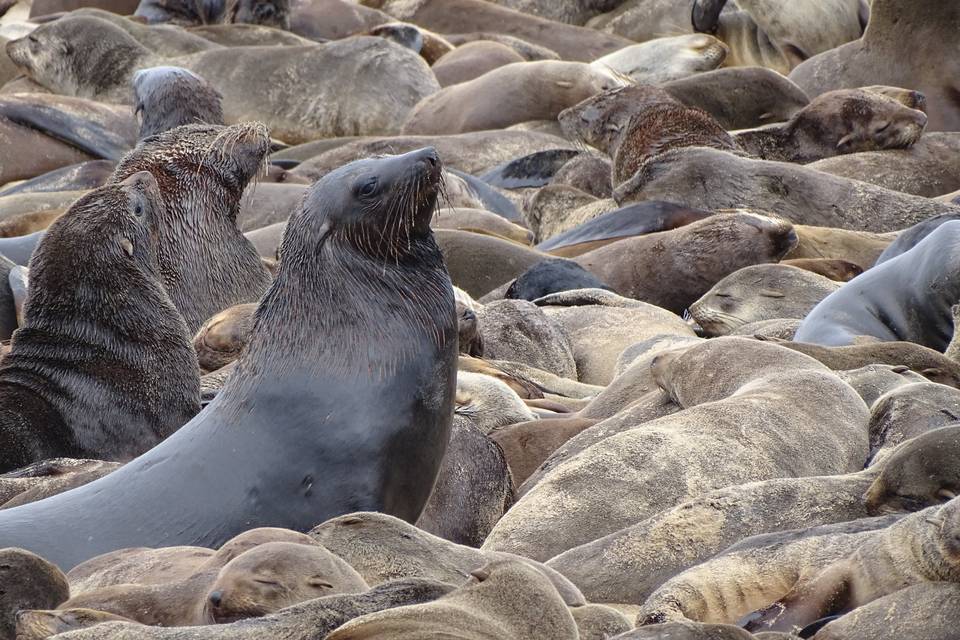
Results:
x,y
426,174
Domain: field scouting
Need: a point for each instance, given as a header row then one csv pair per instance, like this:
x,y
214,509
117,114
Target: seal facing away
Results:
x,y
102,366
304,429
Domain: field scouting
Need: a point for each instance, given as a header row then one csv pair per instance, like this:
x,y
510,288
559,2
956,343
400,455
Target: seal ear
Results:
x,y
126,244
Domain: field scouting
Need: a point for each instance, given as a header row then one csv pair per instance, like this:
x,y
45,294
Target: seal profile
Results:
x,y
296,436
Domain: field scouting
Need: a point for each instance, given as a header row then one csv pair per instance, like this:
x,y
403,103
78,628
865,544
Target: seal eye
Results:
x,y
368,188
138,210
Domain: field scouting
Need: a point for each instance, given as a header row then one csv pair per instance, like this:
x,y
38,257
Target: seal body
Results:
x,y
97,369
905,298
304,429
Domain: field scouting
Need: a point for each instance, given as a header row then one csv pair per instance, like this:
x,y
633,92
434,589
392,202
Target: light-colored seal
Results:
x,y
665,59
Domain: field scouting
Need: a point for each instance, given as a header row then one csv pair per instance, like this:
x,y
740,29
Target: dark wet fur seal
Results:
x,y
907,298
167,97
909,237
631,220
205,262
534,170
97,370
552,276
182,12
296,413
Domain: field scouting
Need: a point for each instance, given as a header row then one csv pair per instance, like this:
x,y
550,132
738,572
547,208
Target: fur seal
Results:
x,y
906,298
713,179
29,582
633,220
835,123
884,56
908,411
79,401
759,390
928,168
662,60
205,263
160,100
479,263
757,239
836,270
336,225
552,276
40,624
771,98
495,603
527,444
429,45
508,95
468,16
311,619
576,12
911,236
472,60
640,558
922,547
760,292
90,57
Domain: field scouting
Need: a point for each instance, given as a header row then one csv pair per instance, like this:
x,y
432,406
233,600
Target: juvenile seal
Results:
x,y
922,547
834,123
760,292
296,409
665,59
205,263
907,298
40,624
116,391
167,97
29,582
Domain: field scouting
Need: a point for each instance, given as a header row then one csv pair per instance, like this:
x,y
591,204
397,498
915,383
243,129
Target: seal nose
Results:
x,y
215,597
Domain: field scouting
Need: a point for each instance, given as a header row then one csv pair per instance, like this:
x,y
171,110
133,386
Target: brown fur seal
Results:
x,y
383,548
923,360
925,611
66,56
673,459
755,572
39,477
472,60
885,55
713,179
59,481
40,624
495,603
334,226
429,45
576,12
908,411
760,292
205,262
772,98
836,270
29,582
79,400
835,123
665,252
161,104
664,59
305,621
467,16
527,444
862,248
508,95
641,557
223,337
922,547
663,127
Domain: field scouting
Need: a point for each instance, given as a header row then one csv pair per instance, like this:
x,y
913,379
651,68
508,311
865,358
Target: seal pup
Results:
x,y
85,376
835,123
923,547
759,292
296,409
508,95
205,262
305,621
888,54
40,624
29,582
167,97
907,298
662,60
628,266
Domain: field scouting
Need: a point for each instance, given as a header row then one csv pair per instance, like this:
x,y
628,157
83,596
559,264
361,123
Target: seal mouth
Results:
x,y
422,186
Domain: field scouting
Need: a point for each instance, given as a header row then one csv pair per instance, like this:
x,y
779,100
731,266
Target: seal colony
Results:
x,y
486,319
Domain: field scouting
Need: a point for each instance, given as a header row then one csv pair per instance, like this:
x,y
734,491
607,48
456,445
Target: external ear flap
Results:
x,y
126,245
845,142
319,582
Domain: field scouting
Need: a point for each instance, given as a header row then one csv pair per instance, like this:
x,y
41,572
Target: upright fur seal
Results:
x,y
98,369
167,97
295,436
205,262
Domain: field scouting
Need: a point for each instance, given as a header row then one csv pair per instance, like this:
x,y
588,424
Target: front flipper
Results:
x,y
825,595
706,15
